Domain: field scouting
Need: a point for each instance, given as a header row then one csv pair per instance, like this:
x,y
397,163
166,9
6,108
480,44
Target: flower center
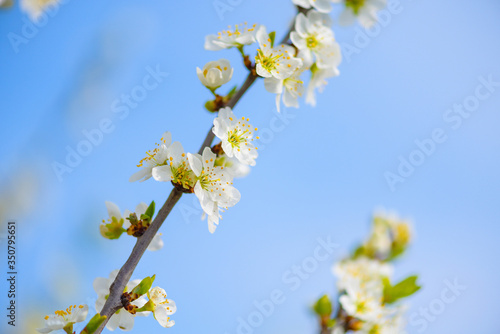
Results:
x,y
270,62
151,156
312,42
355,5
238,30
65,313
182,174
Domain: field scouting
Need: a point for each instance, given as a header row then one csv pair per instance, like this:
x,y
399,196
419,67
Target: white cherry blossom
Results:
x,y
163,307
63,318
290,88
315,41
214,186
237,37
176,169
154,158
236,136
278,61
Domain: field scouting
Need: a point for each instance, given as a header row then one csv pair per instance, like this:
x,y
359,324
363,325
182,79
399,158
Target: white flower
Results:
x,y
290,88
364,10
364,303
362,271
236,136
61,319
324,6
214,187
35,8
318,81
279,62
241,35
215,73
315,40
121,319
163,307
176,169
392,322
153,159
156,243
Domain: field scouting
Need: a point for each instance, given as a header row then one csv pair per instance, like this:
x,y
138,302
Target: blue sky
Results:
x,y
320,175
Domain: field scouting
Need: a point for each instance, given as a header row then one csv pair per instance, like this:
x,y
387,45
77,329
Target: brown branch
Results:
x,y
113,303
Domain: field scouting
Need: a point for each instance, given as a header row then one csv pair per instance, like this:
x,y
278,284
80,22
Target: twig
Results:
x,y
113,303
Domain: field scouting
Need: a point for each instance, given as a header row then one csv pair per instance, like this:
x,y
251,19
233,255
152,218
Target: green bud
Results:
x,y
144,286
210,106
323,306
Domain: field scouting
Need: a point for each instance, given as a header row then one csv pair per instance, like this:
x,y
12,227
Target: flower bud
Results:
x,y
215,73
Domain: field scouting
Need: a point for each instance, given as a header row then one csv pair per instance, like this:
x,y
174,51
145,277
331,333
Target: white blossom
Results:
x,y
324,6
279,62
290,88
155,158
363,10
35,8
163,307
362,302
214,186
121,319
361,270
176,168
63,318
237,37
315,40
236,136
215,73
318,81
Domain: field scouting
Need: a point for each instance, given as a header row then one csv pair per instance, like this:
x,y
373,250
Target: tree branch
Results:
x,y
113,303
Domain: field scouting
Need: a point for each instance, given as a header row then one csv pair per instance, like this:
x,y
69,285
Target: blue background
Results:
x,y
320,175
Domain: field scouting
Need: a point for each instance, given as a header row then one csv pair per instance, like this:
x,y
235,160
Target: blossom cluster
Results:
x,y
210,174
368,301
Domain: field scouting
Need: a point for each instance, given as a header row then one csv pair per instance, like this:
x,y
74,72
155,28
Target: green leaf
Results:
x,y
151,210
403,289
323,306
94,324
231,92
272,36
149,306
144,286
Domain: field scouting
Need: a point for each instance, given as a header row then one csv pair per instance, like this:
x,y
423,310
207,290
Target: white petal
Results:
x,y
156,243
195,163
143,173
162,173
113,210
